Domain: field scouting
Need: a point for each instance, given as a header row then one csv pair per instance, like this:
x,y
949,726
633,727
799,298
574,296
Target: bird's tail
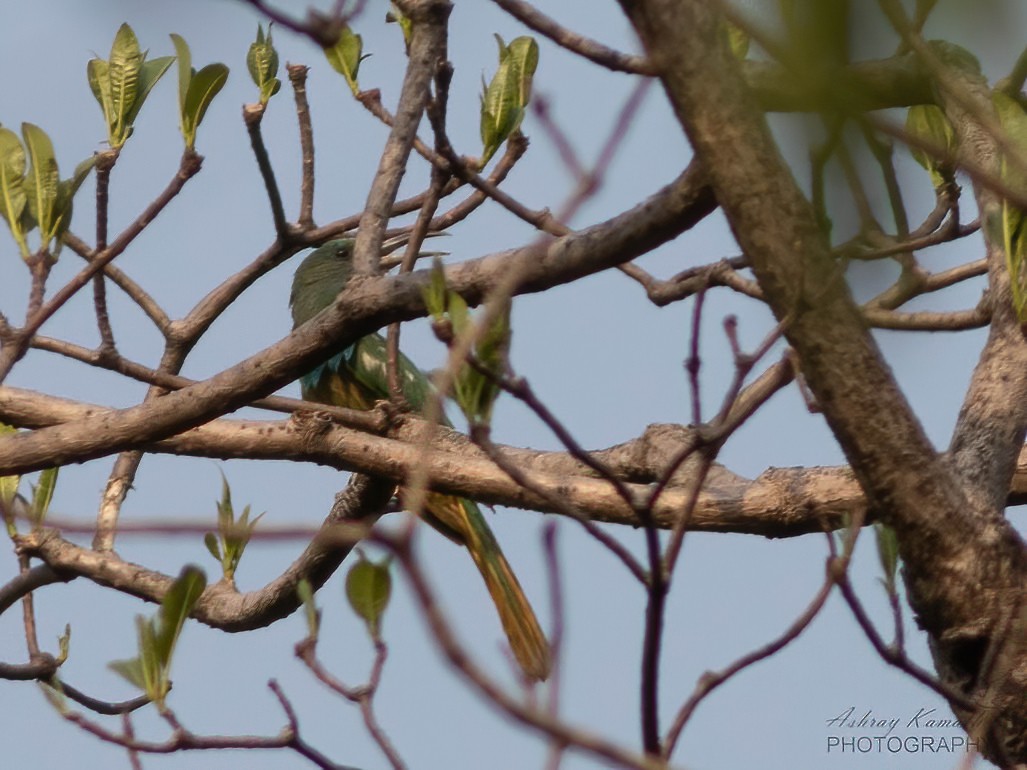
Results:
x,y
463,519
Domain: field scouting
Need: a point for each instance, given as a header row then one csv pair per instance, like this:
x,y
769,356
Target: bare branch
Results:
x,y
427,51
298,78
252,115
10,353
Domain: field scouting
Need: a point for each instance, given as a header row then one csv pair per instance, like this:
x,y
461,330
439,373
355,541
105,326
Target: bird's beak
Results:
x,y
389,245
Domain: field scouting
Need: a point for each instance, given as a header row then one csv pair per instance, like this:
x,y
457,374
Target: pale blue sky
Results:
x,y
607,362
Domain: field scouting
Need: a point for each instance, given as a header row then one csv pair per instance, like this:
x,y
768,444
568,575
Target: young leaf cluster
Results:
x,y
262,62
122,83
157,637
505,100
32,193
345,57
42,494
474,390
196,90
233,534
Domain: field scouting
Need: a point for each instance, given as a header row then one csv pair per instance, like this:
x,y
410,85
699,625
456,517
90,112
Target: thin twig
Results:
x,y
566,38
188,168
323,29
298,78
427,52
712,680
252,115
363,696
556,636
481,437
460,658
297,744
129,730
133,290
104,165
894,656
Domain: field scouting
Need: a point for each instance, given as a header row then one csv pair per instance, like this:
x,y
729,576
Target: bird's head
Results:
x,y
319,279
326,271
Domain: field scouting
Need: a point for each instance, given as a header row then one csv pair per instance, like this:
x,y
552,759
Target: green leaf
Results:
x,y
928,123
368,587
98,74
494,344
504,101
434,293
124,66
149,671
65,196
225,513
12,154
475,392
42,180
122,83
233,534
458,314
262,63
54,693
185,69
888,553
313,616
257,56
131,670
12,186
64,644
151,72
175,608
204,87
395,15
153,672
345,57
211,541
8,484
8,489
42,494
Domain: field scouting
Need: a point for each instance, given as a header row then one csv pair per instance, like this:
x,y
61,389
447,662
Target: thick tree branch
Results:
x,y
963,581
782,502
364,307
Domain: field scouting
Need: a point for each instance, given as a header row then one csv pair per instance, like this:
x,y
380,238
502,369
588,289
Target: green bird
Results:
x,y
356,378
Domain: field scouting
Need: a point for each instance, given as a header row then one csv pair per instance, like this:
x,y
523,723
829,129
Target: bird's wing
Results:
x,y
368,365
312,379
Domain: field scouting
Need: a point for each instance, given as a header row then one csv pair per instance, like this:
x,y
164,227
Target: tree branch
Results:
x,y
362,308
221,606
427,51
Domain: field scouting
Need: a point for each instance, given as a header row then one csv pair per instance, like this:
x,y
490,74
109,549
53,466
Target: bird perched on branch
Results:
x,y
356,378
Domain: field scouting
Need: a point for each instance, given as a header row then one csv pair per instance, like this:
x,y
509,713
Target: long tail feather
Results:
x,y
529,644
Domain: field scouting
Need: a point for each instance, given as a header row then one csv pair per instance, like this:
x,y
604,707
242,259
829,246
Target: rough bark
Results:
x,y
965,581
